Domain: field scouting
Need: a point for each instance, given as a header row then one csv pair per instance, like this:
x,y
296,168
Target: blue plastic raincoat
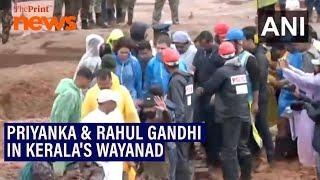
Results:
x,y
286,97
157,75
130,75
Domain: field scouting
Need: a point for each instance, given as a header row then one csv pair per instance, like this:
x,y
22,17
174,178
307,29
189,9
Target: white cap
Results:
x,y
108,95
181,37
316,62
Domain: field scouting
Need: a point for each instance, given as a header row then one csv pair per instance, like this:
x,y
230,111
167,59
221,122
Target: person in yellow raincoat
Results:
x,y
112,39
125,105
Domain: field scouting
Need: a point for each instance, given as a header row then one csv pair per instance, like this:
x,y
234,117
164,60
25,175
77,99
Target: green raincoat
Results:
x,y
67,105
66,109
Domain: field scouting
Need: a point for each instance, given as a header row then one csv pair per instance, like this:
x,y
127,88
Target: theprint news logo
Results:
x,y
283,26
37,23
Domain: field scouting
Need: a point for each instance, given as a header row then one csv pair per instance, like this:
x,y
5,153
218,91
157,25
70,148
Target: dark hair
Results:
x,y
42,169
107,61
249,32
124,42
138,31
85,72
164,39
103,74
156,91
217,39
204,35
144,45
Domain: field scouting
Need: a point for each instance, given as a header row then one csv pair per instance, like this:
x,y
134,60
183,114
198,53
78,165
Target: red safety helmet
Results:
x,y
227,50
221,29
170,57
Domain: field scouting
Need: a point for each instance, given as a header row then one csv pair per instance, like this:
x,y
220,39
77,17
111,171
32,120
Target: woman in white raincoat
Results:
x,y
91,58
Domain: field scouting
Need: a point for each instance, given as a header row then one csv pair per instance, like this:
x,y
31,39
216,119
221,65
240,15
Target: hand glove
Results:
x,y
297,105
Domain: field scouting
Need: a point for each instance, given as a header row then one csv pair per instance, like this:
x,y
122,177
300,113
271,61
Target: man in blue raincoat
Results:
x,y
156,74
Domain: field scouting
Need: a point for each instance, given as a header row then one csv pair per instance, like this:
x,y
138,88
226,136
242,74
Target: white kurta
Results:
x,y
113,169
301,125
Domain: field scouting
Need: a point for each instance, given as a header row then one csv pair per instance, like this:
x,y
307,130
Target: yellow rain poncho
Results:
x,y
126,104
115,35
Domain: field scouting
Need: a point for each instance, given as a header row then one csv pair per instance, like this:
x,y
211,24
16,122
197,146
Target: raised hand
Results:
x,y
160,104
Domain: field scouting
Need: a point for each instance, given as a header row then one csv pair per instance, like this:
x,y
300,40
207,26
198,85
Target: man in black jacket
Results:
x,y
230,85
180,93
206,62
259,51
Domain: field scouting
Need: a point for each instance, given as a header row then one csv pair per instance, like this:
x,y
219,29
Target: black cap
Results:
x,y
108,61
148,101
161,28
138,30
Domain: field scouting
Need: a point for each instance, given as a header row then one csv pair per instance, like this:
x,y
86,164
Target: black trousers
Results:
x,y
213,144
261,124
205,112
235,136
184,166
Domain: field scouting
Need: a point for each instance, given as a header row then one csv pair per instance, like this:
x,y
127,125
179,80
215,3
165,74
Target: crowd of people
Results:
x,y
226,78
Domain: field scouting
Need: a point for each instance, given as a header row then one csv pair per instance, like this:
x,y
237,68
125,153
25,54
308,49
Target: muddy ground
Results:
x,y
32,64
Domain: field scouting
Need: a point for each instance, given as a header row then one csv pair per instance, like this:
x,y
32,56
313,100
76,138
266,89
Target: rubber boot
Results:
x,y
246,167
84,24
7,21
99,21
